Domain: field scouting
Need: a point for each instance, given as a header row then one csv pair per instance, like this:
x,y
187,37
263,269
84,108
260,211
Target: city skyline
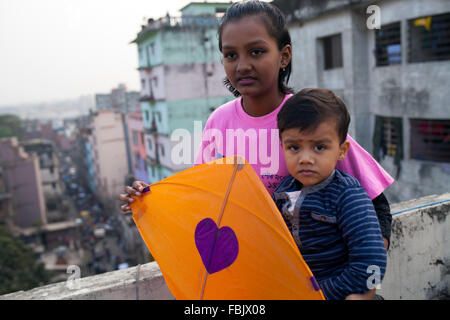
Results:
x,y
52,50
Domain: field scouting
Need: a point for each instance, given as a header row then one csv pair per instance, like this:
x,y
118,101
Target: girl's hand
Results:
x,y
136,189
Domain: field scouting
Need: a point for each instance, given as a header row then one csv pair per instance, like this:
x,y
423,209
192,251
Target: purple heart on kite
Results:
x,y
218,248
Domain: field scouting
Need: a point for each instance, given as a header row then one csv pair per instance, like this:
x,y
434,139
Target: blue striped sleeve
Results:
x,y
357,220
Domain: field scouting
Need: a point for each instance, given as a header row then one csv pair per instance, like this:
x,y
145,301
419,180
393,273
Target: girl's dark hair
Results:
x,y
275,23
307,109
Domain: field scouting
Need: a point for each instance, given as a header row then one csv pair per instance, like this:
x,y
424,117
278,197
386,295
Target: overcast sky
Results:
x,y
58,49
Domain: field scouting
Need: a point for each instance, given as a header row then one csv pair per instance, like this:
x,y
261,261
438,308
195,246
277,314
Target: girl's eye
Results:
x,y
293,148
257,52
229,55
320,147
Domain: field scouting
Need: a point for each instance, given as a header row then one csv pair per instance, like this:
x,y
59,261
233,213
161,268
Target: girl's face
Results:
x,y
251,57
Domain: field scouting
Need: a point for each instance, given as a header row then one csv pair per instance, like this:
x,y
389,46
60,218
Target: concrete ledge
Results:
x,y
418,264
114,285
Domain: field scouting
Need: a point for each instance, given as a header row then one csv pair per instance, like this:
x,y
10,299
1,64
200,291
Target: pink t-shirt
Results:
x,y
231,131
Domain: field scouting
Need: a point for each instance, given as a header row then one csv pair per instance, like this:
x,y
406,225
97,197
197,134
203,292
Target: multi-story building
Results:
x,y
394,80
119,99
49,167
103,101
22,179
6,213
137,146
109,154
181,80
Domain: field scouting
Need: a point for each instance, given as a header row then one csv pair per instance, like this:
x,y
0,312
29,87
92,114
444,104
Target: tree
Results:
x,y
10,126
19,267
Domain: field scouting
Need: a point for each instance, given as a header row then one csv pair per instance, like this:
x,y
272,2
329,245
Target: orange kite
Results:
x,y
216,233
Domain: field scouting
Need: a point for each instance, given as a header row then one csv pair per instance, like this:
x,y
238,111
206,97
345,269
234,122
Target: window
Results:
x,y
148,56
388,48
388,138
162,150
429,38
135,138
155,82
150,144
137,159
430,139
332,52
152,48
140,54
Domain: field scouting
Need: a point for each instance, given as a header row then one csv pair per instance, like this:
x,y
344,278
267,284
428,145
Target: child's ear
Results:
x,y
343,150
286,55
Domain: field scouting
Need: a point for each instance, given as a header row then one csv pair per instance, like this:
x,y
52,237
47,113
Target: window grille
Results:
x,y
429,38
388,50
430,139
388,138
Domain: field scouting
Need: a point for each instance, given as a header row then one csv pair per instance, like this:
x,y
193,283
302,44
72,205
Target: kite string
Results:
x,y
236,166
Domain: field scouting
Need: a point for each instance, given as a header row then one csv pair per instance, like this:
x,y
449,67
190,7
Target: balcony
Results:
x,y
418,264
145,67
147,98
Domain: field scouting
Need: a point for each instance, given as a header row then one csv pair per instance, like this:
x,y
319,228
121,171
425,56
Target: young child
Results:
x,y
328,212
256,52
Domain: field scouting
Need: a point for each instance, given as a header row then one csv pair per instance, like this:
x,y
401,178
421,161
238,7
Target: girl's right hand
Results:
x,y
136,189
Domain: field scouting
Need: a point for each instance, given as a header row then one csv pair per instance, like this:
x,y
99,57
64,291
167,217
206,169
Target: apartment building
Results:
x,y
23,185
181,80
394,79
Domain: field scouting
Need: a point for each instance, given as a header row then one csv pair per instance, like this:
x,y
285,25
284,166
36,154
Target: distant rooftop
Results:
x,y
193,15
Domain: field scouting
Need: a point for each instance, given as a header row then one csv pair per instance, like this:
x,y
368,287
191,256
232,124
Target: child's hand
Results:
x,y
136,190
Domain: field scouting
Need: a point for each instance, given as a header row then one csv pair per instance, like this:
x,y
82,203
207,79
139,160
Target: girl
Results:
x,y
256,51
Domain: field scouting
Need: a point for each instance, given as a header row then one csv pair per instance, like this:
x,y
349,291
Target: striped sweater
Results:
x,y
336,229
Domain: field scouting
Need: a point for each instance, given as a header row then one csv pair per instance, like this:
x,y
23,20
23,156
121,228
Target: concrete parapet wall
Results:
x,y
418,263
419,256
115,285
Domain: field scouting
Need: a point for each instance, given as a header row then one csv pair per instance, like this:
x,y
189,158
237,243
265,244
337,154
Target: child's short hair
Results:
x,y
307,109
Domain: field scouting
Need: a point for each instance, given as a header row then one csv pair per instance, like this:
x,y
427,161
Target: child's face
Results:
x,y
251,57
312,156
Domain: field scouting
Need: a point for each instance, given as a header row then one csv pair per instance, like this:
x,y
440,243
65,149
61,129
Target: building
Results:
x,y
119,99
22,179
109,153
103,101
48,167
6,214
181,80
394,80
137,146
